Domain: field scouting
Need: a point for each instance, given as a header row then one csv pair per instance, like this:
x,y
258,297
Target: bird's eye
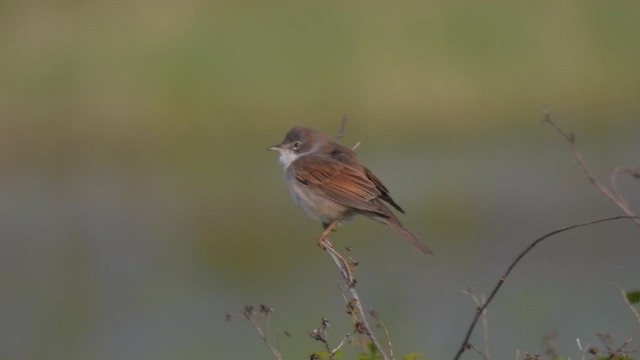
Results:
x,y
297,145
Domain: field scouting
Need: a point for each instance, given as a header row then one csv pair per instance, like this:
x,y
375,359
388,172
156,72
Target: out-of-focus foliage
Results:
x,y
633,297
138,204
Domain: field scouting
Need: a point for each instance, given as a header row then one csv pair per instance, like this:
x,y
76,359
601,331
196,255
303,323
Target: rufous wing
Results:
x,y
339,182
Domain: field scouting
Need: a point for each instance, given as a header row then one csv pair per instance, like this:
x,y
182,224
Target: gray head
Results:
x,y
299,141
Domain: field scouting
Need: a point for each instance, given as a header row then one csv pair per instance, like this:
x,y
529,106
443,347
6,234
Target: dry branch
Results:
x,y
362,325
480,310
249,314
610,191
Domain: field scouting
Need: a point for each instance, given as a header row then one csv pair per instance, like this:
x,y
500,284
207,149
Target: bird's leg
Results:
x,y
326,225
323,239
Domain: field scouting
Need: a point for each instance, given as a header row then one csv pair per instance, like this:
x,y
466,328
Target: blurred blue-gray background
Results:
x,y
139,205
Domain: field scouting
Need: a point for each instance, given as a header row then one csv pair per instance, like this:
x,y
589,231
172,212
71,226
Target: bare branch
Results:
x,y
610,353
375,315
635,173
482,355
343,126
612,192
249,314
350,282
465,343
583,350
344,340
478,301
361,324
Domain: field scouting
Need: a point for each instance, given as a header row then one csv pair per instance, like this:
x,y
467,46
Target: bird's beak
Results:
x,y
274,148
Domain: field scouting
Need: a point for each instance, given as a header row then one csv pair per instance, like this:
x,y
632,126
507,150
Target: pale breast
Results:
x,y
316,205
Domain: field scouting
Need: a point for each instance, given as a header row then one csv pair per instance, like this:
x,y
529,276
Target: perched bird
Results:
x,y
328,182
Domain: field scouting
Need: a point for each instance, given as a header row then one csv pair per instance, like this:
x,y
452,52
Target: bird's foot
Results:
x,y
323,242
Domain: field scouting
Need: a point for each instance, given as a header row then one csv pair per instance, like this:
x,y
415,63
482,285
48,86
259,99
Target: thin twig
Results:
x,y
320,334
341,344
626,301
635,173
608,341
584,350
375,315
485,329
612,194
503,278
350,283
482,355
249,316
478,301
343,126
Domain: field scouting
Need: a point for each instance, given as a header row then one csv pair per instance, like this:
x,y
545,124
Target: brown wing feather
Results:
x,y
384,193
342,183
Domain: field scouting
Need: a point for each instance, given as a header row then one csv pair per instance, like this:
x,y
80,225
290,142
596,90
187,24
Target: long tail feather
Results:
x,y
395,224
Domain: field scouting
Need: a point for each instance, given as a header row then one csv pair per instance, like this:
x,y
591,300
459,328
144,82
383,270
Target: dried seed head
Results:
x,y
264,309
316,334
248,311
361,328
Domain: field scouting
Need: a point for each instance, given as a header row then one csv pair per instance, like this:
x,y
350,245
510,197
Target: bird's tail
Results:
x,y
395,224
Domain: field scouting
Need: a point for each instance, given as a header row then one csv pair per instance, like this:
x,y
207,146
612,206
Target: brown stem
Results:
x,y
350,282
263,335
480,310
611,193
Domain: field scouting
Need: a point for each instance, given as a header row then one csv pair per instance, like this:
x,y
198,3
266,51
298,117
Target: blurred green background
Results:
x,y
139,205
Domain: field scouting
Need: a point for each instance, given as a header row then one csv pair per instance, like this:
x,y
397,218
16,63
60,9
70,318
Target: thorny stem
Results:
x,y
465,343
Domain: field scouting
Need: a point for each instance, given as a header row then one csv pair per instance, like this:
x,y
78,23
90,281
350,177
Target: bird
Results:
x,y
330,184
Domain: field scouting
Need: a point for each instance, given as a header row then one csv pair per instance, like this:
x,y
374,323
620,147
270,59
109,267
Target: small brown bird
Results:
x,y
328,182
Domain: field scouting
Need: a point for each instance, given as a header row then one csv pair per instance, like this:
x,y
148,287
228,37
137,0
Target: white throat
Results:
x,y
287,157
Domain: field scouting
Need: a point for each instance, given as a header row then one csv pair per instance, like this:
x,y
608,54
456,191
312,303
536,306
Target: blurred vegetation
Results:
x,y
139,205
